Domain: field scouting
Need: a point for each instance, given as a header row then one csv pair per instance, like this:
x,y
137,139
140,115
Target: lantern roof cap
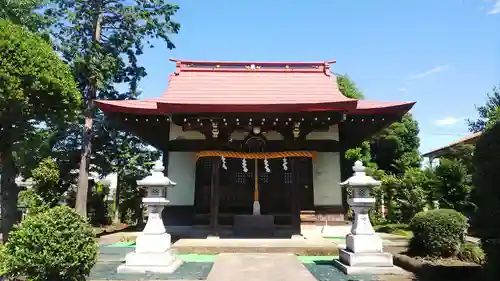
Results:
x,y
157,178
360,179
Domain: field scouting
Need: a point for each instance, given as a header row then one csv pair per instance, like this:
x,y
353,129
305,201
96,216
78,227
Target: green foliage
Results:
x,y
57,244
23,12
453,185
470,252
437,233
36,84
2,260
348,88
487,197
102,42
489,114
36,90
395,149
406,195
29,198
47,182
463,153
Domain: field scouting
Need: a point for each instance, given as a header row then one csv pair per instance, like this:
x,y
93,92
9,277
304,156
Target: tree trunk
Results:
x,y
116,218
83,184
83,175
9,192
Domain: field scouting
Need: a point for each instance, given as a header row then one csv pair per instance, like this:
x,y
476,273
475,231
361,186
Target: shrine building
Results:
x,y
263,139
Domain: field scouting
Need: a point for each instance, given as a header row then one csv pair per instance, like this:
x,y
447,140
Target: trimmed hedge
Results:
x,y
437,233
56,244
486,195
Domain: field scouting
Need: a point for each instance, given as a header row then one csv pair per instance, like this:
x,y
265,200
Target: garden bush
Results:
x,y
486,190
472,253
437,233
56,244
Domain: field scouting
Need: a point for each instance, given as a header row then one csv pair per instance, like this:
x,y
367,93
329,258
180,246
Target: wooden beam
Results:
x,y
272,145
214,197
295,210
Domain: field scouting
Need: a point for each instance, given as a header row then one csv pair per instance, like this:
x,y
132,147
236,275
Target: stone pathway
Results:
x,y
261,267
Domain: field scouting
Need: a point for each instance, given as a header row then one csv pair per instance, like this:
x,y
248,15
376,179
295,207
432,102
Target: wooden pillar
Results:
x,y
165,148
164,160
214,197
345,167
295,197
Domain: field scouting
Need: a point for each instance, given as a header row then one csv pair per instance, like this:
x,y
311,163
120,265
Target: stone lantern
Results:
x,y
153,252
363,253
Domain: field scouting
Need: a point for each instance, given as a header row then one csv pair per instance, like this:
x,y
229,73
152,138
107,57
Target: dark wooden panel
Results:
x,y
274,187
272,145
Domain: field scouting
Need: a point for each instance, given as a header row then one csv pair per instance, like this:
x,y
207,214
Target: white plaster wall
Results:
x,y
326,179
182,170
271,135
331,134
176,132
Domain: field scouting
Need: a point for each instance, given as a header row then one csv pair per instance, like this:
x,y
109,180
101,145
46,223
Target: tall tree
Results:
x,y
23,12
489,113
36,89
102,40
395,149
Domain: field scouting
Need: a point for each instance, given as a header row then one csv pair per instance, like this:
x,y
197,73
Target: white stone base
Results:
x,y
369,270
365,259
364,243
366,263
297,237
212,237
150,262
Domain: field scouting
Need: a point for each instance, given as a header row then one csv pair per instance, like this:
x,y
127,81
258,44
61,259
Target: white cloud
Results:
x,y
495,9
404,91
447,121
431,71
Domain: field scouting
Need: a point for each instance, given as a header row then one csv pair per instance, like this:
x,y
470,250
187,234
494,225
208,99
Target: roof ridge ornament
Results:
x,y
252,67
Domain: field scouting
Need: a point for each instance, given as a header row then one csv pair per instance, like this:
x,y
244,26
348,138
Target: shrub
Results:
x,y
487,197
57,244
472,253
438,233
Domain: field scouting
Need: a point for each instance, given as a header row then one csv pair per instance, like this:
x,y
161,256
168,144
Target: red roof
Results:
x,y
202,86
469,139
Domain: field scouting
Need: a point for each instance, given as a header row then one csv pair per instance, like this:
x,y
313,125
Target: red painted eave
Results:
x,y
380,107
146,107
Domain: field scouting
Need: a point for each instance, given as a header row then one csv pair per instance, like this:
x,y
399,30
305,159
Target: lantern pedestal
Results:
x,y
153,252
363,253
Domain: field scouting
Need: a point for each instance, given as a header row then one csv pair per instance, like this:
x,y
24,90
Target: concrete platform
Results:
x,y
261,267
372,270
295,246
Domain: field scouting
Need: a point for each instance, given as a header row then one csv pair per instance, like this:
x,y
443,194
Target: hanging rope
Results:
x,y
256,155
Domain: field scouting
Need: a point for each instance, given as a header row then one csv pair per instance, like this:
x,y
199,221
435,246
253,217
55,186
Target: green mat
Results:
x,y
197,257
122,244
313,259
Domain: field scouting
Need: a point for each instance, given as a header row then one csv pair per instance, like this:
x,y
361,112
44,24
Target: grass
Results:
x,y
400,229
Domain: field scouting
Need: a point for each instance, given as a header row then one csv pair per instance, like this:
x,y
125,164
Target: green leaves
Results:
x,y
35,83
489,114
126,27
56,244
348,88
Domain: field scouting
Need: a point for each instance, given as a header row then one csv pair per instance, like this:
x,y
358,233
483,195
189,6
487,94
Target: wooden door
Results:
x,y
305,183
236,187
274,187
202,185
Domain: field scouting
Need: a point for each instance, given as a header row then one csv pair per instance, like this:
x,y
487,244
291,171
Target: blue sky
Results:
x,y
444,54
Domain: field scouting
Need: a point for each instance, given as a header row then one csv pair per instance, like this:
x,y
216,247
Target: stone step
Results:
x,y
261,267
